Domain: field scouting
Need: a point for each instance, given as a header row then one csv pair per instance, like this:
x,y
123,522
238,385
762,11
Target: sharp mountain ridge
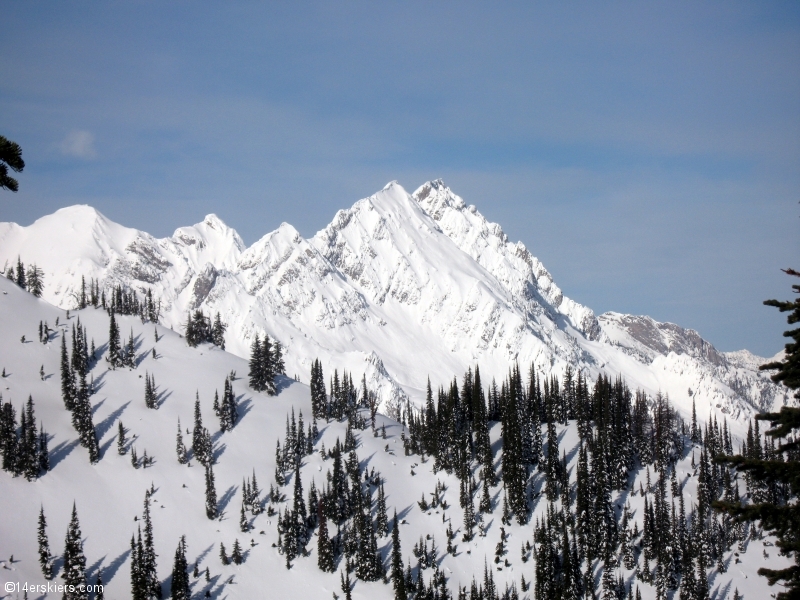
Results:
x,y
401,286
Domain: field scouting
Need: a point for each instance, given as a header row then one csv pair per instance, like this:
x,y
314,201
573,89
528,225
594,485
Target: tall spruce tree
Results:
x,y
114,345
74,573
324,546
121,440
148,556
45,557
67,376
398,580
211,493
180,575
180,447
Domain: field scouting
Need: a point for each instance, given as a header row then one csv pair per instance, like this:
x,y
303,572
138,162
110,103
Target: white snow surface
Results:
x,y
398,287
110,494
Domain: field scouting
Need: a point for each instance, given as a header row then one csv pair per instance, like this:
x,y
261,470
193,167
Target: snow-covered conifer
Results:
x,y
211,493
121,440
180,575
180,447
45,558
74,572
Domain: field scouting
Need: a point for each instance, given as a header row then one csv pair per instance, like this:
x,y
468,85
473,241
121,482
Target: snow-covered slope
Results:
x,y
109,495
399,287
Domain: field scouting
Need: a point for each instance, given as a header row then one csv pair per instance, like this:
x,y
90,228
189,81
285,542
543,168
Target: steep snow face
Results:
x,y
399,287
397,256
528,284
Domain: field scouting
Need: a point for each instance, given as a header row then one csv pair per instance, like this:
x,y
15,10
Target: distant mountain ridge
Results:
x,y
399,287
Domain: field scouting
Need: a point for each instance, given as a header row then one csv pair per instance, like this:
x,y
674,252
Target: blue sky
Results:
x,y
648,154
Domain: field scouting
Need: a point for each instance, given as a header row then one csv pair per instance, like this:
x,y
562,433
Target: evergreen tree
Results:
x,y
138,591
180,447
223,555
67,376
397,563
218,332
121,441
382,520
243,525
256,362
74,573
236,553
10,158
324,545
44,454
28,456
200,443
318,393
20,279
99,587
278,367
35,280
211,493
114,357
45,558
148,555
180,576
129,357
150,397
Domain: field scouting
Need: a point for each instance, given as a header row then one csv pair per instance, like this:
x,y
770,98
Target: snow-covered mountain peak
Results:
x,y
210,241
399,287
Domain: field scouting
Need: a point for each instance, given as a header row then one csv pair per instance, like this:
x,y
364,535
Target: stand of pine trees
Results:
x,y
75,390
24,448
30,279
200,329
266,362
144,577
226,408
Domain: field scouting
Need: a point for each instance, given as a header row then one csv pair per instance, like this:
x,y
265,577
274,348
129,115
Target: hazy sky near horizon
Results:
x,y
647,153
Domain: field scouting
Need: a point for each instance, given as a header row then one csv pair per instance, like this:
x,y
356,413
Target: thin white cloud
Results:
x,y
78,143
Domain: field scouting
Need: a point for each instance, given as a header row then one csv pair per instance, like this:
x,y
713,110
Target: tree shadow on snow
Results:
x,y
161,398
98,405
60,452
214,590
105,446
244,407
111,570
203,554
722,593
99,351
103,426
282,382
226,499
91,570
100,381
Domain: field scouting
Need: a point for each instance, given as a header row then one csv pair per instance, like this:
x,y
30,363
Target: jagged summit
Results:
x,y
399,286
